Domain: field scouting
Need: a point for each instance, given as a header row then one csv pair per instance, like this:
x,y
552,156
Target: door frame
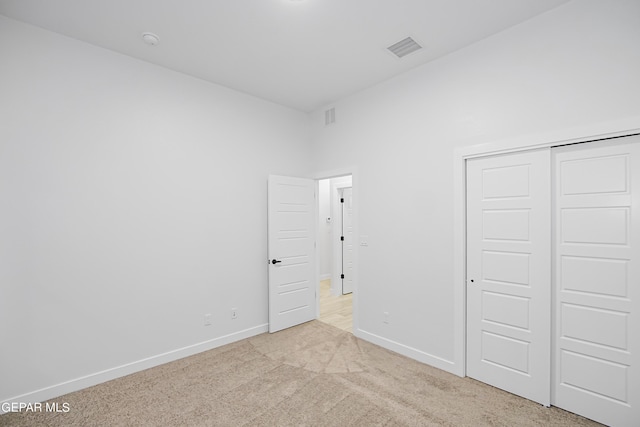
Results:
x,y
587,133
337,173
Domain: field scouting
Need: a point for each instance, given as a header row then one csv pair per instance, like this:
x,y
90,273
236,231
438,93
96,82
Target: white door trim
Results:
x,y
355,183
585,133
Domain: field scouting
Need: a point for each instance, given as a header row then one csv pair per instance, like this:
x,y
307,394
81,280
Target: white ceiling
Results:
x,y
303,54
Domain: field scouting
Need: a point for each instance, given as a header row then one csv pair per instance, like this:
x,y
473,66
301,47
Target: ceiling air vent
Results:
x,y
404,47
329,116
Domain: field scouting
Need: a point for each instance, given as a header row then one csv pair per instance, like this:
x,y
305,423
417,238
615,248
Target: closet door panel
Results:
x,y
508,272
597,280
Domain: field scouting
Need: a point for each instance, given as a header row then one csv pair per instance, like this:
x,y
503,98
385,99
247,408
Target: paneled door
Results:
x,y
509,273
597,277
291,228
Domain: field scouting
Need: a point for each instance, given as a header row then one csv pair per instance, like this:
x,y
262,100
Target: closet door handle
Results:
x,y
275,261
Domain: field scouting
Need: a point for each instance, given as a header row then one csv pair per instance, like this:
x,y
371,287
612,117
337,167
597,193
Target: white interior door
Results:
x,y
509,273
597,276
291,228
337,187
347,244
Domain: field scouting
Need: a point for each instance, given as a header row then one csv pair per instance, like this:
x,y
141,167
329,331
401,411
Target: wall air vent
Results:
x,y
329,116
404,47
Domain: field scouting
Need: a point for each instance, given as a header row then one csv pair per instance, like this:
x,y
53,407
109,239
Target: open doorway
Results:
x,y
336,251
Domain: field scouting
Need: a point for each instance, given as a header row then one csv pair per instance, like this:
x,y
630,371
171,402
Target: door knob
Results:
x,y
275,261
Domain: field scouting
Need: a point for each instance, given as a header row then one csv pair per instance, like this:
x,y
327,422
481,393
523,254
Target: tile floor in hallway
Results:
x,y
335,310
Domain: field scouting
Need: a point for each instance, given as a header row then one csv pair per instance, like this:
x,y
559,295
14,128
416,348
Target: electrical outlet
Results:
x,y
234,313
385,317
207,320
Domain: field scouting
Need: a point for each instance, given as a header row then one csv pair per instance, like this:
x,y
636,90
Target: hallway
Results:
x,y
335,310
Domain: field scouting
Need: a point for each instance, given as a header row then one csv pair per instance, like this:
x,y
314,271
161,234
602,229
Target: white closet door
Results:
x,y
509,273
597,276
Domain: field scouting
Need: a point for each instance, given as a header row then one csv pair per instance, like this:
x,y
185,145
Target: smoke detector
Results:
x,y
150,39
404,47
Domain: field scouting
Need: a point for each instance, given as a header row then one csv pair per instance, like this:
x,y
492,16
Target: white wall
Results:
x,y
133,201
567,69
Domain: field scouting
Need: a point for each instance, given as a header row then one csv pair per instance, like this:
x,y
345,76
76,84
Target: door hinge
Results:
x,y
342,238
341,199
342,276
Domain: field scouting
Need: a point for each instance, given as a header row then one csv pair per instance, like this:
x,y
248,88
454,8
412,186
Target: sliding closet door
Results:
x,y
597,280
509,273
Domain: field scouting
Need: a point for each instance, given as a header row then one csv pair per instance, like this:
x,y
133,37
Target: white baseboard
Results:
x,y
130,368
420,356
325,276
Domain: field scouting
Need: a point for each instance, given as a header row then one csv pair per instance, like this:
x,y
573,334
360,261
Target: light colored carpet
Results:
x,y
309,375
